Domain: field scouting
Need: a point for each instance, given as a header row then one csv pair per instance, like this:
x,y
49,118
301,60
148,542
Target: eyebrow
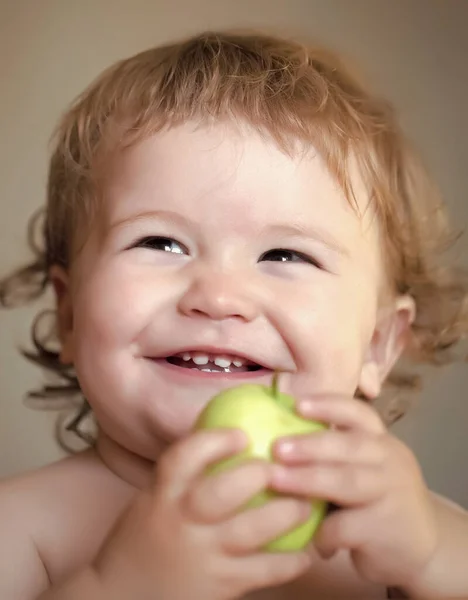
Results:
x,y
168,215
315,233
292,231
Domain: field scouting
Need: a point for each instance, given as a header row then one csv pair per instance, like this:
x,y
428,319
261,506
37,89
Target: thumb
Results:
x,y
337,532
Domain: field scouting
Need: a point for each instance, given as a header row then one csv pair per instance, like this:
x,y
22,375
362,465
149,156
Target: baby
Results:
x,y
218,210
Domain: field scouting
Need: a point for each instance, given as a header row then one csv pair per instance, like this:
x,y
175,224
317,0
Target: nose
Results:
x,y
219,296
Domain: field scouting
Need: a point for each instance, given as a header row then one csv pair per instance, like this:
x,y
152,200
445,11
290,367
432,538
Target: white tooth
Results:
x,y
207,370
200,359
222,362
186,356
238,362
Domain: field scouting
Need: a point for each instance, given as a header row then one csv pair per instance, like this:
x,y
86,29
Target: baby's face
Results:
x,y
217,260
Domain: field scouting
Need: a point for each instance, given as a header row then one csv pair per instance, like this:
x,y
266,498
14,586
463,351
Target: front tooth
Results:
x,y
186,356
238,362
200,359
222,362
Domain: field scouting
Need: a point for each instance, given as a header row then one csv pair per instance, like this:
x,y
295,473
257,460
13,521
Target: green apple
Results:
x,y
265,415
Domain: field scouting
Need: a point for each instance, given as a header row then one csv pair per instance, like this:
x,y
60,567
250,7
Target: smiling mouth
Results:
x,y
209,363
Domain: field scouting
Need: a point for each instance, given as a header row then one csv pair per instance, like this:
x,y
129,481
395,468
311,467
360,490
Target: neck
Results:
x,y
126,465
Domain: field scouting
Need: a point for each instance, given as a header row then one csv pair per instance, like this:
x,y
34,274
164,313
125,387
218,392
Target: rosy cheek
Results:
x,y
107,302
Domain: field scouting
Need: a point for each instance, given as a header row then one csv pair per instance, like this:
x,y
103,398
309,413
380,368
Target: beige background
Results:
x,y
414,50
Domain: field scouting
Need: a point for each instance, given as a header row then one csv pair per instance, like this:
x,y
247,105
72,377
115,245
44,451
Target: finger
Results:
x,y
331,446
343,413
250,530
270,569
342,530
184,461
214,498
343,484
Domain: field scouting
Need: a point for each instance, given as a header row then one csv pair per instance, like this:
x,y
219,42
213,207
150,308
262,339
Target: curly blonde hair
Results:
x,y
289,91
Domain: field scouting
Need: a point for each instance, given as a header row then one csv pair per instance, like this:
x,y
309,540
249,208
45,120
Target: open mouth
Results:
x,y
210,363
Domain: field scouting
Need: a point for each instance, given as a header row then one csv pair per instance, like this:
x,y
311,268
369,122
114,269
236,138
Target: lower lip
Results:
x,y
199,374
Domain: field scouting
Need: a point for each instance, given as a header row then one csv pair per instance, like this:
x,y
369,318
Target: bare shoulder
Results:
x,y
53,520
444,501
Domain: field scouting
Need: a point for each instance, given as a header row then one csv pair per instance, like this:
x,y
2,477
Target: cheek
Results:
x,y
330,328
110,311
111,308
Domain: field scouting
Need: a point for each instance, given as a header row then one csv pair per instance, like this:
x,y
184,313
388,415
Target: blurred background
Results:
x,y
414,51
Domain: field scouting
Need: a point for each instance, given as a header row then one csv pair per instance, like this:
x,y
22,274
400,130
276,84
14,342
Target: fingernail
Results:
x,y
285,447
326,554
306,406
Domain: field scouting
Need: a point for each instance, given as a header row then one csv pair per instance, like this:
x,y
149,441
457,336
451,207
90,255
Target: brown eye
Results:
x,y
284,255
163,244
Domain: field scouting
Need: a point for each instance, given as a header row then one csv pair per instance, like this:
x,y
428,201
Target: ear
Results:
x,y
60,280
390,337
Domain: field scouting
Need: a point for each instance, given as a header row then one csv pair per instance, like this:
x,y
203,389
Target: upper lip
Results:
x,y
251,357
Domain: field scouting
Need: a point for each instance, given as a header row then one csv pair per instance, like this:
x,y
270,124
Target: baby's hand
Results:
x,y
185,537
386,520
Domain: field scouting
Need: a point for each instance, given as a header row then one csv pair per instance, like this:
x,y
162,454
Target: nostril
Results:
x,y
222,300
215,315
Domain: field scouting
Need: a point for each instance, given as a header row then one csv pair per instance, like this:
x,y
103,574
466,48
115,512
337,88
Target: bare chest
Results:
x,y
76,519
332,581
335,579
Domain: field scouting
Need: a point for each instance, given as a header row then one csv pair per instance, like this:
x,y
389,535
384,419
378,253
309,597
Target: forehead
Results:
x,y
233,179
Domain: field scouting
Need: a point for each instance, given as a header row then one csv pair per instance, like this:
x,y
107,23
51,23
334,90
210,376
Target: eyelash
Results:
x,y
152,241
297,257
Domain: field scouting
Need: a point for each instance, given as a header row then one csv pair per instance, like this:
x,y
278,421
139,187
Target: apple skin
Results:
x,y
265,415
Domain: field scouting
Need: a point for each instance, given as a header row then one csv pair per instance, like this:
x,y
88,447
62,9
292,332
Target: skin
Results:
x,y
125,305
225,196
